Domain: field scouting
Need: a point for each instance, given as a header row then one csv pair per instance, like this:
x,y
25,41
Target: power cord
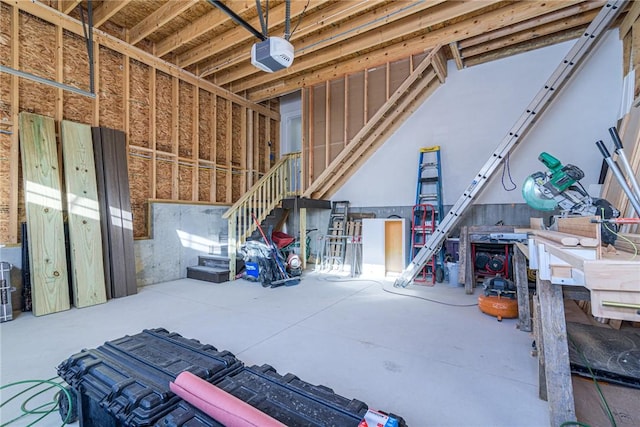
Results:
x,y
384,288
40,410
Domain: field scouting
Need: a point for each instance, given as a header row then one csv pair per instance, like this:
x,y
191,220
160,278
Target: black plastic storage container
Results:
x,y
125,382
292,401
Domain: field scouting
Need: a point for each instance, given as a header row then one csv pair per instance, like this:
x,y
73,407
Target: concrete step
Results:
x,y
209,274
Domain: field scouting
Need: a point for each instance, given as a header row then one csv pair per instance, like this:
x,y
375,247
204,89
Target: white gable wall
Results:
x,y
473,111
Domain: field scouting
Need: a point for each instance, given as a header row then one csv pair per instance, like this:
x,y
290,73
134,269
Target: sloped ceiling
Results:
x,y
331,37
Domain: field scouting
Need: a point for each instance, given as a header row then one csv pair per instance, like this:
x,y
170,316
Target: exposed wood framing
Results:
x,y
238,34
14,150
157,19
66,6
106,10
629,19
327,123
176,161
457,57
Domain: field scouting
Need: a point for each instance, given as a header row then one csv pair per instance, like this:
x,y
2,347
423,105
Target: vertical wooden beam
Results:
x,y
455,51
522,285
346,111
267,145
59,77
365,107
327,123
387,86
175,130
15,109
311,136
303,143
214,150
96,84
303,237
243,147
152,129
539,349
556,353
195,142
250,143
229,196
126,110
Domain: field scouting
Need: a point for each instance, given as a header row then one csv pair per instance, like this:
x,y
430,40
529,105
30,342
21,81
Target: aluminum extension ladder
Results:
x,y
571,62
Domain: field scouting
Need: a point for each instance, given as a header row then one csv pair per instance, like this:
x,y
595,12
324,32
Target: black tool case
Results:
x,y
292,401
125,382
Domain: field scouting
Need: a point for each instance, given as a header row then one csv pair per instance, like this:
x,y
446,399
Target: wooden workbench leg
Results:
x,y
556,353
522,285
537,335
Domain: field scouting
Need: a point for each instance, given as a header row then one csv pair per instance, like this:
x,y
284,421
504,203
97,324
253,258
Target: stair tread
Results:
x,y
208,269
214,257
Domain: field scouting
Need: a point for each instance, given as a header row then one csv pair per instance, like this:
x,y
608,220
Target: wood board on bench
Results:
x,y
85,237
43,202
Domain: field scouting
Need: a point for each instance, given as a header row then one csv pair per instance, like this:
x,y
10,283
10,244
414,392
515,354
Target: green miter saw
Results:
x,y
559,188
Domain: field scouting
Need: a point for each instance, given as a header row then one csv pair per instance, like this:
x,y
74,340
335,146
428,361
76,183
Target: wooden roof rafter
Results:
x,y
199,27
106,10
157,19
404,32
66,6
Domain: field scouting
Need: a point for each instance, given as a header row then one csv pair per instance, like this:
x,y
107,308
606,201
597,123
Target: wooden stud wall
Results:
x,y
188,139
335,111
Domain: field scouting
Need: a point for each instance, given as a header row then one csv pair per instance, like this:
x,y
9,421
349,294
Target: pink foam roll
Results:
x,y
218,404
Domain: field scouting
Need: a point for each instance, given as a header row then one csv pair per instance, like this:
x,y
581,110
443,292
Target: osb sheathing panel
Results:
x,y
236,184
355,105
163,112
204,184
139,167
205,125
39,59
5,181
185,182
75,73
237,139
164,178
376,90
221,186
139,108
319,128
336,114
5,100
185,120
399,72
221,131
5,35
111,91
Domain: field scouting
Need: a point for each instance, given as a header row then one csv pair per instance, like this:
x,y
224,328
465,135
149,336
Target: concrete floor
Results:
x,y
433,364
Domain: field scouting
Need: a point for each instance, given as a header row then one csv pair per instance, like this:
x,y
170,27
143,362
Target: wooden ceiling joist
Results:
x,y
199,27
239,36
405,33
66,6
531,34
387,18
556,16
106,10
630,19
157,19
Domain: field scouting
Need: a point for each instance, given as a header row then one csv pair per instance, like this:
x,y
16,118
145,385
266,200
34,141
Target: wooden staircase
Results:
x,y
282,181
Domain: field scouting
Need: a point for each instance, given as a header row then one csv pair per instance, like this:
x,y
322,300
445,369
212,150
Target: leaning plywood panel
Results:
x,y
50,287
83,215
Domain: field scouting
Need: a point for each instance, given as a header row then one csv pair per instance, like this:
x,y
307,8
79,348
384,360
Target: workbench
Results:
x,y
613,284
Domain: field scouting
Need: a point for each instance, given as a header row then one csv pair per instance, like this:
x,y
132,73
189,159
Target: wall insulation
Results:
x,y
187,139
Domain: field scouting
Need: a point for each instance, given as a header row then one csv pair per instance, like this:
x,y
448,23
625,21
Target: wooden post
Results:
x,y
537,335
303,237
14,158
556,353
522,285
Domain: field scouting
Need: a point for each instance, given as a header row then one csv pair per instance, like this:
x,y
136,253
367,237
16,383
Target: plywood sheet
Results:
x,y
50,287
85,237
